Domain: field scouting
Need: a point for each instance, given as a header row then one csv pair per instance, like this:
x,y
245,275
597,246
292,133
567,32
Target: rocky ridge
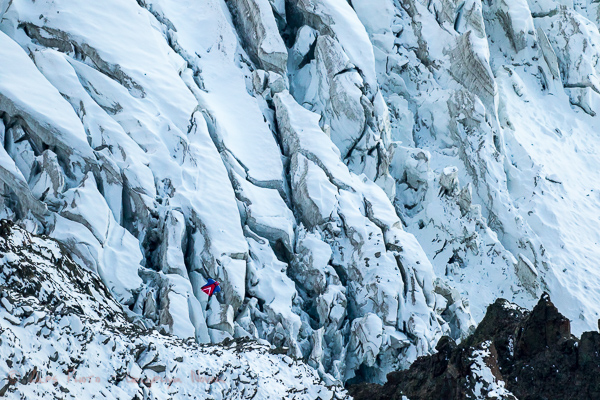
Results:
x,y
513,354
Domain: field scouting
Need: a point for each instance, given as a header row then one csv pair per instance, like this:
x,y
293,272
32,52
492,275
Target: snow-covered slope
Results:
x,y
363,177
64,336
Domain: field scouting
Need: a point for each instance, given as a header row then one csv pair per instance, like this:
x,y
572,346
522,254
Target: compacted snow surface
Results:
x,y
362,177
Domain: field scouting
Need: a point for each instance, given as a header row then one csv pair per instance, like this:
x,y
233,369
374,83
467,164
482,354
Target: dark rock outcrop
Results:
x,y
513,354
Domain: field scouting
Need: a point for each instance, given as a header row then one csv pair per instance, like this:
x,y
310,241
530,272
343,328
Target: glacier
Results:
x,y
363,177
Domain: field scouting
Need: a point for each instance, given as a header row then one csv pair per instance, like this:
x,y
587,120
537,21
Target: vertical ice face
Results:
x,y
362,177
